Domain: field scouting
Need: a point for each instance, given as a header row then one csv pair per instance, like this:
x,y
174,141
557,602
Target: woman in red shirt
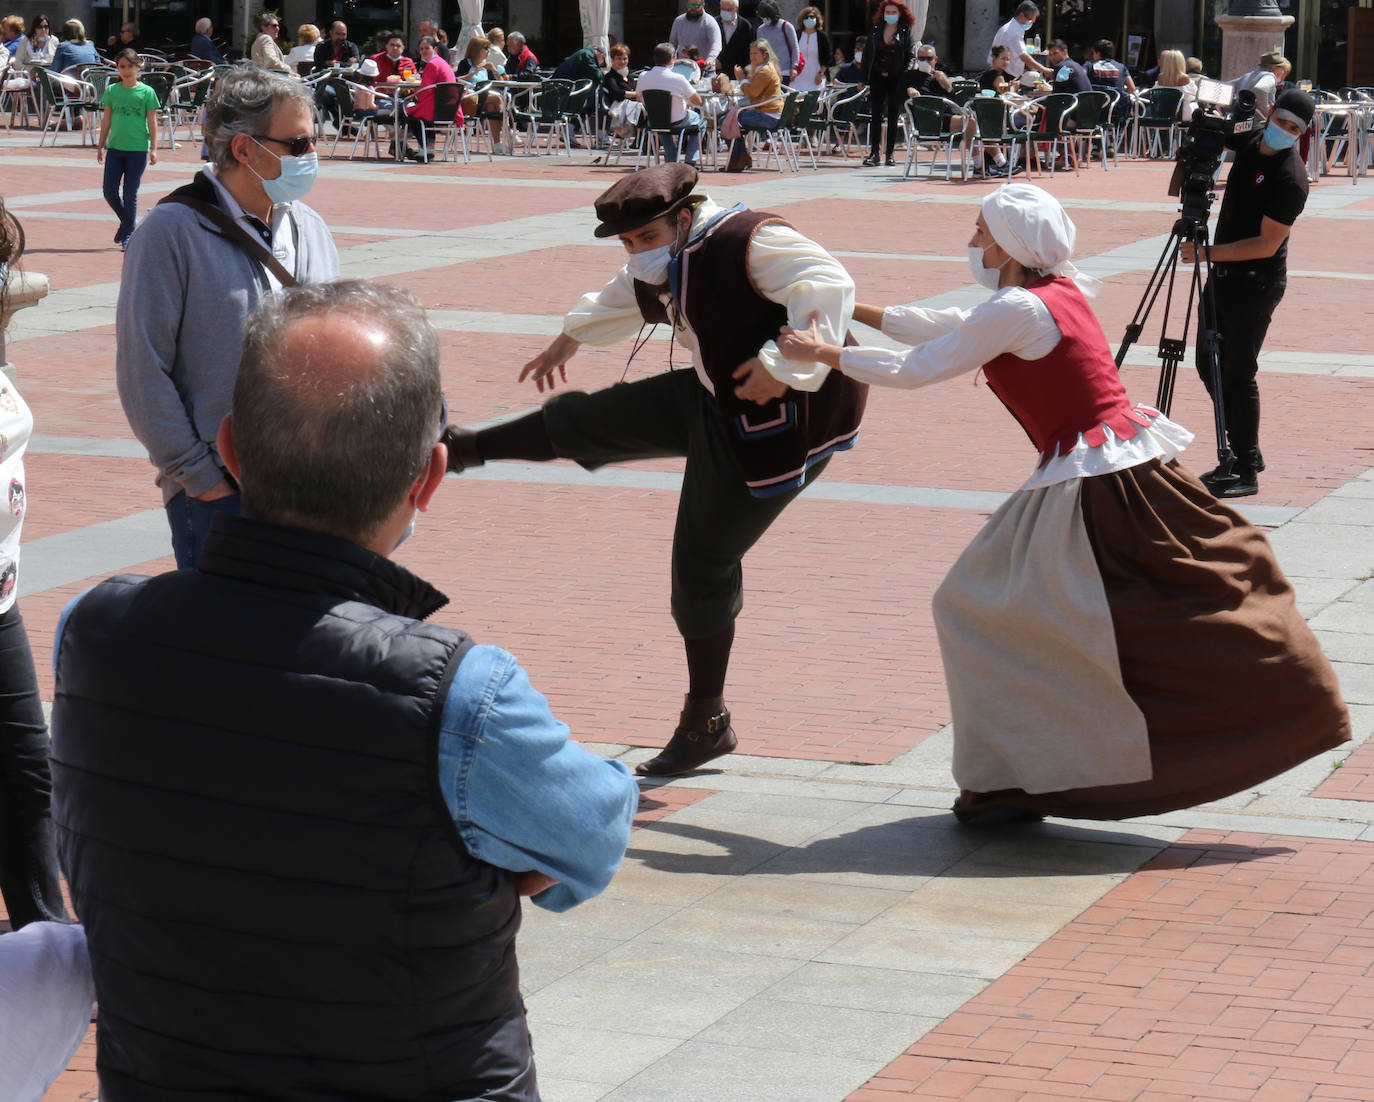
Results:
x,y
420,112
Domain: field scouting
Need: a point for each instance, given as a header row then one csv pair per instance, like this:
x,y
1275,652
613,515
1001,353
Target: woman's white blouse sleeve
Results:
x,y
955,342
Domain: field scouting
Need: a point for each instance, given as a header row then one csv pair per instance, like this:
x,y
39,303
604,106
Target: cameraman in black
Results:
x,y
1265,193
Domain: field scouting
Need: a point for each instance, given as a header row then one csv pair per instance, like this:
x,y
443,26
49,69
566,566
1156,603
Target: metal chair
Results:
x,y
162,83
550,113
67,100
1091,122
993,115
1159,114
1050,128
448,99
779,137
936,121
18,92
658,121
961,91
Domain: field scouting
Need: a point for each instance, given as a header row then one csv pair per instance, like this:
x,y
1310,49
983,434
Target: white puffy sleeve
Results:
x,y
795,272
606,316
1013,320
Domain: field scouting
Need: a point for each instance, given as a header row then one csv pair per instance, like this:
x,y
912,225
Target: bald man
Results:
x,y
318,800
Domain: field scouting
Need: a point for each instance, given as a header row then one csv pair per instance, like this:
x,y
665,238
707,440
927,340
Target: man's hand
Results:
x,y
552,359
1186,253
533,882
758,385
218,490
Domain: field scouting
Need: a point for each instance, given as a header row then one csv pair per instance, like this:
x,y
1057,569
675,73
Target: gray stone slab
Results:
x,y
1357,681
786,830
1357,511
663,964
943,918
1363,593
568,1090
586,1055
893,947
894,991
671,846
971,885
808,807
1323,550
782,1025
764,934
1345,646
1347,616
623,1005
638,882
782,896
702,1072
1314,594
1043,851
606,916
95,551
547,955
1357,489
1197,819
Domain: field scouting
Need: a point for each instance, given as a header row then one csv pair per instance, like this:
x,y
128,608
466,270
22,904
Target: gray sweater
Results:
x,y
184,296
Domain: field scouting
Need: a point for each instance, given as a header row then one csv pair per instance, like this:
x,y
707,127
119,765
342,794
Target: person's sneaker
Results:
x,y
994,172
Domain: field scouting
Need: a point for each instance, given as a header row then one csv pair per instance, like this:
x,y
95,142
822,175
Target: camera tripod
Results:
x,y
1193,231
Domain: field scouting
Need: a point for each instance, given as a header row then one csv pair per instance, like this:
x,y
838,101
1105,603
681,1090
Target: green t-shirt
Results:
x,y
129,109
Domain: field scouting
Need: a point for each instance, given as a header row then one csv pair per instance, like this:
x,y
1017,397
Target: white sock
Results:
x,y
999,158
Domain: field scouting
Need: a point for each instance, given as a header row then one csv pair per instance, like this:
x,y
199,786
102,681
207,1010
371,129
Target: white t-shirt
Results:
x,y
16,426
660,79
1012,35
299,54
808,45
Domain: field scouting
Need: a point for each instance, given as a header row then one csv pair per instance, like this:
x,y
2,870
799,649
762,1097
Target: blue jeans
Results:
x,y
189,520
126,165
751,117
692,152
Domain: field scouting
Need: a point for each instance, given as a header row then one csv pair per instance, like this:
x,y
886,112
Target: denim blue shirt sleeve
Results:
x,y
523,795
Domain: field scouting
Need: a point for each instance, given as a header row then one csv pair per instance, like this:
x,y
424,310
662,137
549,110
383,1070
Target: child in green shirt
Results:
x,y
128,128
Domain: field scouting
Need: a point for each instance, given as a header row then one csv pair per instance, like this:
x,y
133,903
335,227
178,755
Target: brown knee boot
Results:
x,y
703,732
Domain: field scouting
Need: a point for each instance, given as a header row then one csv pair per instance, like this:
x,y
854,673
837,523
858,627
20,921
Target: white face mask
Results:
x,y
858,56
623,70
987,277
650,266
925,66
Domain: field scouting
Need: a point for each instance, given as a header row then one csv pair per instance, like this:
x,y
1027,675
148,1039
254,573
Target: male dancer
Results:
x,y
756,429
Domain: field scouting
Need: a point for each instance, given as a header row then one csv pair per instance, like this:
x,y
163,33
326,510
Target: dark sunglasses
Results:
x,y
443,416
297,147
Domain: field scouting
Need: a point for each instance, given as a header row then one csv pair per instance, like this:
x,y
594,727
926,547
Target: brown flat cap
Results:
x,y
1272,58
643,196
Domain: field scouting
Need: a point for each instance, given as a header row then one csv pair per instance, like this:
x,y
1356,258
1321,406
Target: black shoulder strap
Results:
x,y
237,234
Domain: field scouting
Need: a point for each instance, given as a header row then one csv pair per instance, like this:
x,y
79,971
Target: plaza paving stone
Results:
x,y
805,920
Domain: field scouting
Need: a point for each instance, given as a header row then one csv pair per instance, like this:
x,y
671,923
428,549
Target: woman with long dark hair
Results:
x,y
888,59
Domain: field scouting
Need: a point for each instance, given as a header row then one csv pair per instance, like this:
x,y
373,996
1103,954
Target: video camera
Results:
x,y
1222,112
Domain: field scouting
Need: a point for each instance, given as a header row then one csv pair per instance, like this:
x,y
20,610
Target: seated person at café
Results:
x,y
1106,72
618,105
477,69
392,64
763,87
128,38
1069,76
303,52
587,63
996,79
265,53
74,51
420,110
928,78
662,78
851,71
521,64
338,50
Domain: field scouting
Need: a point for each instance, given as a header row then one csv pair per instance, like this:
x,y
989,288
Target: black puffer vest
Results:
x,y
277,901
777,443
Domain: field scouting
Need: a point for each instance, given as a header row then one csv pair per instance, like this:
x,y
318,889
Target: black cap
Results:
x,y
1295,106
643,196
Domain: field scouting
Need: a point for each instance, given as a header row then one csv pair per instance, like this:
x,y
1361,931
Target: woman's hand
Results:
x,y
739,72
552,359
802,344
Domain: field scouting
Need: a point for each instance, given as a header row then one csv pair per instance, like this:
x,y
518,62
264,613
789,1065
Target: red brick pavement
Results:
x,y
1230,967
1354,780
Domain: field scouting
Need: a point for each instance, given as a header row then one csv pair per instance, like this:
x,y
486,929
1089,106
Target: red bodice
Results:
x,y
1075,389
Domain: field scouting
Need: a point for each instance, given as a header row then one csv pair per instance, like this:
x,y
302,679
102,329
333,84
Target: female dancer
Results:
x,y
1116,642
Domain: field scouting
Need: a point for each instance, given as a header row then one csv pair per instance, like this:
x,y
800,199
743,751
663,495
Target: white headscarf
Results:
x,y
1031,226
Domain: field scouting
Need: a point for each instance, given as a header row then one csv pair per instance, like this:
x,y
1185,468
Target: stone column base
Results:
x,y
1245,38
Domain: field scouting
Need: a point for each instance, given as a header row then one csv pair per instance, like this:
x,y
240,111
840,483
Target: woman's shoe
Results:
x,y
891,162
741,163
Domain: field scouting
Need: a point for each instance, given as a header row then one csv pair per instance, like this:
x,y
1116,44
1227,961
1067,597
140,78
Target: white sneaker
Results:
x,y
500,148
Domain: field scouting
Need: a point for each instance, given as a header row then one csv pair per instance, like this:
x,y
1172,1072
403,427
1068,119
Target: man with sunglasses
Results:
x,y
194,270
311,891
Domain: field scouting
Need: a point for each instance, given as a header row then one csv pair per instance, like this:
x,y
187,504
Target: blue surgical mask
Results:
x,y
1276,137
296,179
650,266
809,21
727,16
891,20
